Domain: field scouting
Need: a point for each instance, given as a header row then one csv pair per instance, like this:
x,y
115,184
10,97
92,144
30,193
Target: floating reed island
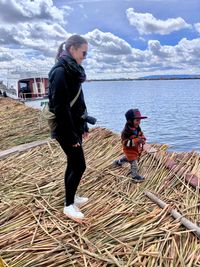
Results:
x,y
155,223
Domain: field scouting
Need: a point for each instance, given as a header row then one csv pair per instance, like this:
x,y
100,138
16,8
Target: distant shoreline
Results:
x,y
141,79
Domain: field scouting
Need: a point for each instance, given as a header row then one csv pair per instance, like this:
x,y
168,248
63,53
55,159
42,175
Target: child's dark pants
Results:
x,y
133,163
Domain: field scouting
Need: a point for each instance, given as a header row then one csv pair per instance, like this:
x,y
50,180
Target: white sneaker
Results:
x,y
73,212
80,200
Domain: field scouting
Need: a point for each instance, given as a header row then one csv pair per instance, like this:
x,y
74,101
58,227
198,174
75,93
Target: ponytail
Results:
x,y
60,49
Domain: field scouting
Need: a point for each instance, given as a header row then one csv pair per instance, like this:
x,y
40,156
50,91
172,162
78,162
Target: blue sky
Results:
x,y
129,38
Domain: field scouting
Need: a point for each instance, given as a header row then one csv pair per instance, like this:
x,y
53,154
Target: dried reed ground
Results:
x,y
122,226
19,124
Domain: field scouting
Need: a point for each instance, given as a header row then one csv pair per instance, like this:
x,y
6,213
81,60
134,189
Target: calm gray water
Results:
x,y
172,107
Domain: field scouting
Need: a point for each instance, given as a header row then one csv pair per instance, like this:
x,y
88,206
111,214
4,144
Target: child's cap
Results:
x,y
132,114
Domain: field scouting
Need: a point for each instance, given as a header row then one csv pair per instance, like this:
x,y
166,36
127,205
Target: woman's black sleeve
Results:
x,y
61,102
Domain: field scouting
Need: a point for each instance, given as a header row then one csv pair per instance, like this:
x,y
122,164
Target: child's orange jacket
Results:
x,y
133,140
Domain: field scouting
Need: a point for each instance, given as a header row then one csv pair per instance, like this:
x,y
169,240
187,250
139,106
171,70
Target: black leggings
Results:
x,y
74,171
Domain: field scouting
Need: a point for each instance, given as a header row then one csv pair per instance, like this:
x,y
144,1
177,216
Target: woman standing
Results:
x,y
66,101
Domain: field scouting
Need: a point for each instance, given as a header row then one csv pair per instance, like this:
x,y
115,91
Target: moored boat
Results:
x,y
26,88
32,88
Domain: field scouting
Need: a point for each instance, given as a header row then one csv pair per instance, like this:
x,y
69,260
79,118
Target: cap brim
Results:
x,y
140,118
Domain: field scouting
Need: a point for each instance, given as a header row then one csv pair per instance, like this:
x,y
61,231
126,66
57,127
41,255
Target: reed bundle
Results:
x,y
122,226
19,124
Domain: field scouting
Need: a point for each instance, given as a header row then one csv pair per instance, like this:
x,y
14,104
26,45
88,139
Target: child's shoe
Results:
x,y
80,200
117,163
73,212
138,179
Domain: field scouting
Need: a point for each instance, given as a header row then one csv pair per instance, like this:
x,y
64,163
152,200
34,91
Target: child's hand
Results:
x,y
141,140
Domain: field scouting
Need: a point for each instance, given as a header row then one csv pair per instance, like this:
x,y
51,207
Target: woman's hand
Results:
x,y
76,145
85,135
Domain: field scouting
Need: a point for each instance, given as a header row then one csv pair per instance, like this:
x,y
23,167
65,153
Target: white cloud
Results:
x,y
189,50
181,58
197,27
156,49
108,43
31,24
13,11
184,56
41,37
146,23
6,55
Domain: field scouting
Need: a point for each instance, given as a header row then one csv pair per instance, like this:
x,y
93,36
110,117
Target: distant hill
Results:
x,y
152,77
169,77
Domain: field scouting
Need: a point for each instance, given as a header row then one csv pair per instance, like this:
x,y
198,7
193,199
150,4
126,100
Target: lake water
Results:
x,y
172,107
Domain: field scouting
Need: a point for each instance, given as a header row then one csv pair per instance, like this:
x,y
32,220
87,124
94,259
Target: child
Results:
x,y
132,141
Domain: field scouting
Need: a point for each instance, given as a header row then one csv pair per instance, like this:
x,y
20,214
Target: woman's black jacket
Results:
x,y
63,87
